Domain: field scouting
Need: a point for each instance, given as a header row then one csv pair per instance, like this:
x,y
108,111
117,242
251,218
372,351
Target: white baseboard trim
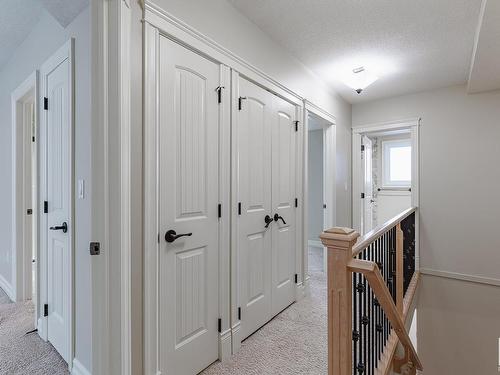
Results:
x,y
315,243
461,276
225,345
79,369
42,327
236,339
7,288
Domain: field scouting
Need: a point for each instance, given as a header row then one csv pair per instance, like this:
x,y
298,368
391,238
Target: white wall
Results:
x,y
46,37
459,175
390,204
224,24
315,183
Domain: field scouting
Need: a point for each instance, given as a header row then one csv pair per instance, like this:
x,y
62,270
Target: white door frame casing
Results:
x,y
413,124
21,274
111,70
329,177
66,52
151,196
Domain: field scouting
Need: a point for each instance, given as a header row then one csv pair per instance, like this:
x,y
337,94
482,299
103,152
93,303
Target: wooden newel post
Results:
x,y
339,242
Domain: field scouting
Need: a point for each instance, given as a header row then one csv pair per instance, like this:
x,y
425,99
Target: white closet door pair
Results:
x,y
266,163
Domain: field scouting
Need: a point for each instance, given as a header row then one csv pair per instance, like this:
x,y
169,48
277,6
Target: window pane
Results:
x,y
400,164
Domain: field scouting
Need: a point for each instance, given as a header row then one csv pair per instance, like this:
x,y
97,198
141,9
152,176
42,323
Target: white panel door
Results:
x,y
254,196
283,201
266,159
59,206
188,146
368,201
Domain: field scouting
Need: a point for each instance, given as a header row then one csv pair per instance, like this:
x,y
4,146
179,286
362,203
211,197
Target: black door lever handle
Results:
x,y
277,217
172,235
63,227
268,219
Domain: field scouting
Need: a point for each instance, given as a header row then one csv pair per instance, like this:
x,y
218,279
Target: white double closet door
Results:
x,y
188,171
265,186
189,193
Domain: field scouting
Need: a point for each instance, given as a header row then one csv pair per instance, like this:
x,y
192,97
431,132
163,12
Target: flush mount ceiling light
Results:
x,y
360,79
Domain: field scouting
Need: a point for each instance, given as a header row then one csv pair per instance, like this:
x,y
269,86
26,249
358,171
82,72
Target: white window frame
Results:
x,y
386,145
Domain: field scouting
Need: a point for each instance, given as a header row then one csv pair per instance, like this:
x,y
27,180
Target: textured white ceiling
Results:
x,y
18,17
417,45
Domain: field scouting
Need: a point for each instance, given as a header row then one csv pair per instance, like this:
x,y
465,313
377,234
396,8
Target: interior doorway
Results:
x,y
320,185
24,189
385,172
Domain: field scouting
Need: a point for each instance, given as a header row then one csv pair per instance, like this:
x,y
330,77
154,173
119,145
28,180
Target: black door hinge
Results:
x,y
29,211
95,248
46,103
46,310
239,208
296,279
362,148
362,195
219,94
220,210
33,139
239,313
219,325
296,202
239,102
296,126
324,205
45,207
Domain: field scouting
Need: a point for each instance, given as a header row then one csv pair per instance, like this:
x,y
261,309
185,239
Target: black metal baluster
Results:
x,y
379,312
382,315
370,320
386,272
359,285
365,317
354,323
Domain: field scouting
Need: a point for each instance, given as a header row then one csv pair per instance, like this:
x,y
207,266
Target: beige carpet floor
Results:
x,y
293,343
22,353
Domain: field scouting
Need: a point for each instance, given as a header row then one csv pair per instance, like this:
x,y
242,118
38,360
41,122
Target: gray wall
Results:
x,y
46,37
315,183
459,175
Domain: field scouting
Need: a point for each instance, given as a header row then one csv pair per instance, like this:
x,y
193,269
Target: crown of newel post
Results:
x,y
339,241
339,237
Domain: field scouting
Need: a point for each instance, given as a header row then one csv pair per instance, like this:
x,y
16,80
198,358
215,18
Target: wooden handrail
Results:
x,y
372,274
374,234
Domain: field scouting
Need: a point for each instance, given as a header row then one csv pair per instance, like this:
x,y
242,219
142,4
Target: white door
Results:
x,y
266,144
57,90
283,201
188,205
368,201
254,187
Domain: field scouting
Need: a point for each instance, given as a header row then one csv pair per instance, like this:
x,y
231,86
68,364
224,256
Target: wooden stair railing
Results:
x,y
374,277
371,284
